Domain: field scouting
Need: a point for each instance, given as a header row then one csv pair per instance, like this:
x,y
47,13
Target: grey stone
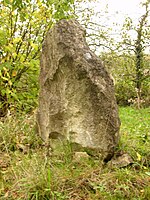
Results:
x,y
120,161
76,99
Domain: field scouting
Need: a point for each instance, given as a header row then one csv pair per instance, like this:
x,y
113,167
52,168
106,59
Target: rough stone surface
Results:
x,y
120,161
76,100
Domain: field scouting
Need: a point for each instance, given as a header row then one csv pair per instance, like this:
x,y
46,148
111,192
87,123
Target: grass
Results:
x,y
26,172
135,133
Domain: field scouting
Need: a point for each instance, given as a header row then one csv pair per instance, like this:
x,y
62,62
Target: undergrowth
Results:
x,y
27,172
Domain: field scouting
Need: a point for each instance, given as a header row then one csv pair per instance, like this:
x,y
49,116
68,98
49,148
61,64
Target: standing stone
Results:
x,y
76,100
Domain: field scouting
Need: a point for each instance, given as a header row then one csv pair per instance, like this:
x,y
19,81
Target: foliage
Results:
x,y
137,46
122,68
97,32
23,27
125,55
26,172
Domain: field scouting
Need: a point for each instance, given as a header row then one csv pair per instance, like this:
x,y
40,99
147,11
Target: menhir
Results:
x,y
76,100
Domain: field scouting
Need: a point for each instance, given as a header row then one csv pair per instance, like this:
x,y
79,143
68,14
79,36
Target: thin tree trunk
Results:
x,y
139,57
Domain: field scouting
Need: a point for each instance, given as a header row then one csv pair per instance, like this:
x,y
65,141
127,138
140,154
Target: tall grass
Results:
x,y
26,171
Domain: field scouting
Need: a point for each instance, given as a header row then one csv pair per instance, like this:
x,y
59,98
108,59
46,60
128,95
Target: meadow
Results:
x,y
27,172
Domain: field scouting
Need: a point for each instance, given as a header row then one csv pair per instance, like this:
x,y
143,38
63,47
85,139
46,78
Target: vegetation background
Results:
x,y
25,170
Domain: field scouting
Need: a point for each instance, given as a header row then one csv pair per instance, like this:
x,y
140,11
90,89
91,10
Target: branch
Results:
x,y
102,45
16,19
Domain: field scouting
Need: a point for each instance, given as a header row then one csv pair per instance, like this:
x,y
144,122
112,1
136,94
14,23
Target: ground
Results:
x,y
27,172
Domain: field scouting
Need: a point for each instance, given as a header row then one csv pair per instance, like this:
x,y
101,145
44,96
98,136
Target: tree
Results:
x,y
138,46
23,27
124,57
98,33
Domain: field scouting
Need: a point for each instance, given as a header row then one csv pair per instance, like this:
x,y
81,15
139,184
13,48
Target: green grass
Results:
x,y
26,172
135,133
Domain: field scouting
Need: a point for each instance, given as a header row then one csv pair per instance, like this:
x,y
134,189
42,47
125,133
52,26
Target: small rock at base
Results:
x,y
121,161
79,156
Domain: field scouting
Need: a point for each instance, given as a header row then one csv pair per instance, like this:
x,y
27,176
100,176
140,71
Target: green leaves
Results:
x,y
61,9
19,4
148,173
24,24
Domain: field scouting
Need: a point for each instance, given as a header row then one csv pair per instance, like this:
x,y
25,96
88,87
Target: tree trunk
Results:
x,y
139,56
